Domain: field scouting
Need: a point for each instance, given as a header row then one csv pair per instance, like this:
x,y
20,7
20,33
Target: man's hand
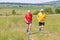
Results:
x,y
26,20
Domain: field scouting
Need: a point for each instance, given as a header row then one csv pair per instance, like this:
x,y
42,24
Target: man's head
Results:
x,y
28,11
42,10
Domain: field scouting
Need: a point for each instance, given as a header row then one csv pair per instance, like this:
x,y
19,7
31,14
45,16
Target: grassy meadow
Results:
x,y
13,28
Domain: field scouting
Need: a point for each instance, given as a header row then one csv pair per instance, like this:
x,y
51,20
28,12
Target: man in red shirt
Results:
x,y
28,19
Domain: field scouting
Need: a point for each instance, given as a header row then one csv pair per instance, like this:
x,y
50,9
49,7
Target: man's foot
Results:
x,y
29,33
39,29
26,30
42,32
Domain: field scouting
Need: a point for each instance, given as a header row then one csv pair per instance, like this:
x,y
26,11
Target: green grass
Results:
x,y
13,28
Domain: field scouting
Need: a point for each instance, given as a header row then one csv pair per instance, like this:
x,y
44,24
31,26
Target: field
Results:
x,y
13,28
21,10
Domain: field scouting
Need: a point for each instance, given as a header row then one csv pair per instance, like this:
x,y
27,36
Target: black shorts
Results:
x,y
28,22
41,23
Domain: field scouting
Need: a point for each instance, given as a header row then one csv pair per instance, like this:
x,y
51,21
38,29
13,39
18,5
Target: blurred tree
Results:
x,y
36,12
13,12
57,10
49,10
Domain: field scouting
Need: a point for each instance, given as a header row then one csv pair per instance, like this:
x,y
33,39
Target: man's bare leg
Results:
x,y
27,30
42,28
30,25
39,28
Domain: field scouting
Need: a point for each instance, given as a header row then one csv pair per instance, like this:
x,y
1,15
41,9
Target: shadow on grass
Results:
x,y
29,35
34,33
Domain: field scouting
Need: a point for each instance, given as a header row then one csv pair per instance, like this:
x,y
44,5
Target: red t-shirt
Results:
x,y
28,17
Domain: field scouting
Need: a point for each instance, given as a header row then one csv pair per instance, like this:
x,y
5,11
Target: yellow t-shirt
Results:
x,y
41,17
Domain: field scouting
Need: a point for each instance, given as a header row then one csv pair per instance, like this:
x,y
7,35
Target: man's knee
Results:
x,y
41,26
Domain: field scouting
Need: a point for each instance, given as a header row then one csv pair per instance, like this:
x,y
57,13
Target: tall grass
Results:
x,y
13,28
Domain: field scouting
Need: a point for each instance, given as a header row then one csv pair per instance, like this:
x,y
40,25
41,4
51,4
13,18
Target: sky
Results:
x,y
27,1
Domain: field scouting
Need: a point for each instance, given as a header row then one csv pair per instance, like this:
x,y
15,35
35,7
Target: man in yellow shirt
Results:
x,y
41,19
